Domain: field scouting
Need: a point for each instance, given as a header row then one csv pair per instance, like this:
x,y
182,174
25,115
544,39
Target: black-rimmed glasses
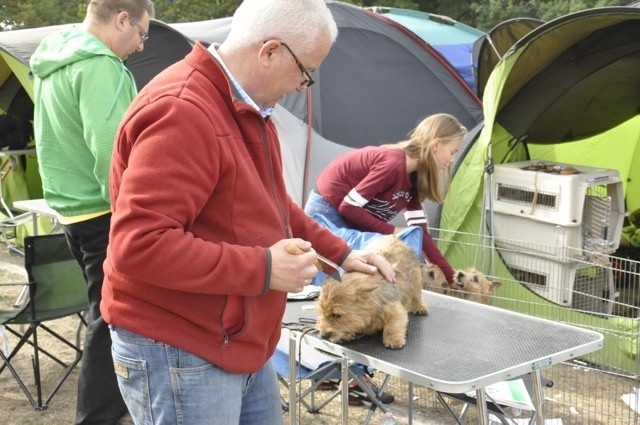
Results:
x,y
308,82
144,35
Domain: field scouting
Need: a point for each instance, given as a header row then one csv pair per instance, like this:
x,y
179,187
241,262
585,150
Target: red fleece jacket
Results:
x,y
197,196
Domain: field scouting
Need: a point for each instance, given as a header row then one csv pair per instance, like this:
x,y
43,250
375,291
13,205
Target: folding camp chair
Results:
x,y
319,368
56,289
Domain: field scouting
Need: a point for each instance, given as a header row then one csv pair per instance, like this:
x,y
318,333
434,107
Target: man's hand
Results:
x,y
369,263
292,265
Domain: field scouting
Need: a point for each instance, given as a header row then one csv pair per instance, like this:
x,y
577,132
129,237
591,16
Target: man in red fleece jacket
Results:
x,y
197,270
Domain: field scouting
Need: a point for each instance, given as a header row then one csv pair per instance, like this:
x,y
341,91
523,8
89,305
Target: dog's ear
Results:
x,y
494,285
366,288
327,286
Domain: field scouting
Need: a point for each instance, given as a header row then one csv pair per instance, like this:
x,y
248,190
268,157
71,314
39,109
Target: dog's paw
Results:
x,y
395,342
419,308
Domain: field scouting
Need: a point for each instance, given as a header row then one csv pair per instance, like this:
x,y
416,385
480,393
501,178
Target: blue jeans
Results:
x,y
164,385
316,204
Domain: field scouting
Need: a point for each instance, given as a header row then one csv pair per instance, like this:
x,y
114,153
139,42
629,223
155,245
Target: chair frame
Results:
x,y
332,369
30,314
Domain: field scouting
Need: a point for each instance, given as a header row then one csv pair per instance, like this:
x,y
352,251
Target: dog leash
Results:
x,y
304,325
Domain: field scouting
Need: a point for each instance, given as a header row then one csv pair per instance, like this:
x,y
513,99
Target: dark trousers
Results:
x,y
99,400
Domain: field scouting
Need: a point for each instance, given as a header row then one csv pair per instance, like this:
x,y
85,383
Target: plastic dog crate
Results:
x,y
562,210
578,285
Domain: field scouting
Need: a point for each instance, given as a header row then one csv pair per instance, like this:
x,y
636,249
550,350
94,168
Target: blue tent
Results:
x,y
450,38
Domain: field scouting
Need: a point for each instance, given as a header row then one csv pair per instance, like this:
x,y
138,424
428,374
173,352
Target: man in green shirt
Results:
x,y
82,89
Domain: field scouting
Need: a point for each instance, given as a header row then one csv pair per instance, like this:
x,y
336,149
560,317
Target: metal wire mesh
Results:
x,y
589,289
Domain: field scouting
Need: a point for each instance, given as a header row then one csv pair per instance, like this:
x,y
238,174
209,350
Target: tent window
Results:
x,y
524,196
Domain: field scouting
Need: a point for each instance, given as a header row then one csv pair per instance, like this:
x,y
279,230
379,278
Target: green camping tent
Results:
x,y
16,91
490,48
568,92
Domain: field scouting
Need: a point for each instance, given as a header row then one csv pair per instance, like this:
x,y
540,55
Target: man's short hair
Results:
x,y
297,23
104,10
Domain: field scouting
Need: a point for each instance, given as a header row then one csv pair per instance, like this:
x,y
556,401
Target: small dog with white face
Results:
x,y
365,304
469,284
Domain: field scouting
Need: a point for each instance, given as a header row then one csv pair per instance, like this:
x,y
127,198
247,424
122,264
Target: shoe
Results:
x,y
385,398
357,396
328,385
357,393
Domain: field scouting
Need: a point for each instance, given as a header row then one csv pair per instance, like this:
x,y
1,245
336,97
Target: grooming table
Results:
x,y
459,347
35,207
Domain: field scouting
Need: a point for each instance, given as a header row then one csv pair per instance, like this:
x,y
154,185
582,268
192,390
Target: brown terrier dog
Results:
x,y
433,279
469,284
472,285
365,304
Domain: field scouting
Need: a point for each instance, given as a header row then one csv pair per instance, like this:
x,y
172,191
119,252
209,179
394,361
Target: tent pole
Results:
x,y
307,154
486,221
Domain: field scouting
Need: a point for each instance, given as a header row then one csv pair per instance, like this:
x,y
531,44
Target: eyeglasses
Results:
x,y
144,35
308,82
